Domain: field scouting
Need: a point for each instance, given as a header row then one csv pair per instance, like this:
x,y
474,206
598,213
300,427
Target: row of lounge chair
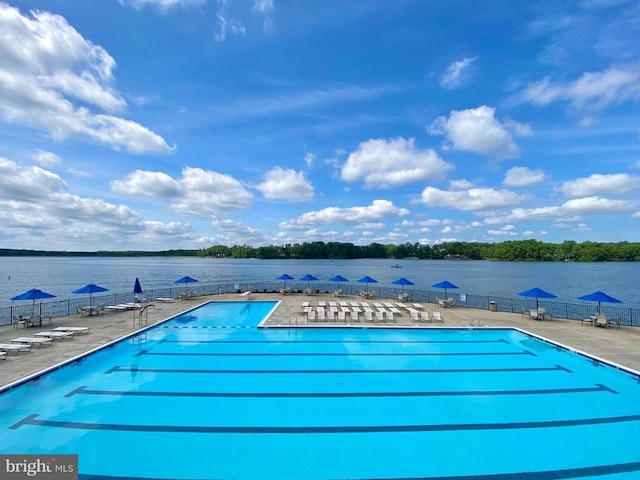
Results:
x,y
26,344
383,312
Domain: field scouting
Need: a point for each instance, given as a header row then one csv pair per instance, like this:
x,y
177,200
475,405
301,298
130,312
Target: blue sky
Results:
x,y
160,124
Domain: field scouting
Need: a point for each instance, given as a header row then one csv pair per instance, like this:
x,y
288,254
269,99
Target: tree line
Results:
x,y
512,250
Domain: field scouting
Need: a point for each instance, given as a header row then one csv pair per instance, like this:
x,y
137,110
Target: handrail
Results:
x,y
627,315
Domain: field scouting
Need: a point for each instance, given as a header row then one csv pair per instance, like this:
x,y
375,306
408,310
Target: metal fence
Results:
x,y
629,316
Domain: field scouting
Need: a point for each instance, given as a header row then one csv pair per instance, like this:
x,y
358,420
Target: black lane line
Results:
x,y
395,342
33,420
555,368
453,393
337,354
565,473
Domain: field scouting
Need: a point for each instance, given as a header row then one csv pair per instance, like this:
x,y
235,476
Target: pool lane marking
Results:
x,y
83,390
118,368
564,473
34,421
331,354
395,342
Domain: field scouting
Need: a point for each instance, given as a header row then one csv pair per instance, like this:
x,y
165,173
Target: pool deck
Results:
x,y
618,346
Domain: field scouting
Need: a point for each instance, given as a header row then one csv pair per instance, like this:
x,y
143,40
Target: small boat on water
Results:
x,y
396,265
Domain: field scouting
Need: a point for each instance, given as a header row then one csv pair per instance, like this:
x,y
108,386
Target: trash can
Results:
x,y
493,306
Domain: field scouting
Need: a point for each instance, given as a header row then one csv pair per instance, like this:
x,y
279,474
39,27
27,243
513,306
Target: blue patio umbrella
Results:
x,y
90,289
367,280
33,295
599,297
403,281
285,277
137,288
186,280
308,278
444,284
536,293
338,278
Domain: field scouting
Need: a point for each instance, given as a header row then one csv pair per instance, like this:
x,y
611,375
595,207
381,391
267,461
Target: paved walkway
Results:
x,y
619,346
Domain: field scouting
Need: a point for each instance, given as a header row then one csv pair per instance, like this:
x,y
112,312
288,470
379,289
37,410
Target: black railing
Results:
x,y
629,316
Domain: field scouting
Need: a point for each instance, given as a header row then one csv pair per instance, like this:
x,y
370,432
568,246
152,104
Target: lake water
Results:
x,y
567,280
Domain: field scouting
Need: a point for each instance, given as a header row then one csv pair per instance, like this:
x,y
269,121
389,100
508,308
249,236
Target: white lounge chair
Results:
x,y
321,315
331,316
342,316
33,341
368,315
415,315
3,355
417,306
84,330
601,321
389,315
437,317
380,316
14,347
311,316
54,335
425,317
354,316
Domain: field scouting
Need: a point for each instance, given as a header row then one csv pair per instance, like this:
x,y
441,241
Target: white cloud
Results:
x,y
208,193
526,214
147,184
523,177
162,5
503,232
281,184
27,183
596,205
47,66
473,199
455,75
264,8
593,91
598,184
309,158
47,159
228,26
460,184
197,192
383,163
230,233
476,130
378,210
314,99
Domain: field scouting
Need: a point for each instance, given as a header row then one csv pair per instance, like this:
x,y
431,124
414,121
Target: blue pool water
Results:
x,y
207,395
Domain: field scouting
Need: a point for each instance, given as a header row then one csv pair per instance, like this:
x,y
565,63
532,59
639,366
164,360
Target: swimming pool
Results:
x,y
208,395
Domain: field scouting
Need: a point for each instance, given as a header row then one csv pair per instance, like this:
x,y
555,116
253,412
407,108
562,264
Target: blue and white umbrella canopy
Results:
x,y
285,277
33,295
91,288
599,297
536,293
444,284
367,280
